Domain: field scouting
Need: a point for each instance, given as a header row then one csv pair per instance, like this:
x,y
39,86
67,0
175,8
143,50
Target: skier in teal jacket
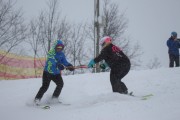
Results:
x,y
56,61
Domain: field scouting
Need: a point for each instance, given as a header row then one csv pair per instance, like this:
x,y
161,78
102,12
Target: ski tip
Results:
x,y
46,107
146,97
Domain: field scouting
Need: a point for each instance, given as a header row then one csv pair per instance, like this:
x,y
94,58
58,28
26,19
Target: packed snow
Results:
x,y
91,98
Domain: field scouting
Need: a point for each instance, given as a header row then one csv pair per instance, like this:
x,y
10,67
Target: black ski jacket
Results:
x,y
113,56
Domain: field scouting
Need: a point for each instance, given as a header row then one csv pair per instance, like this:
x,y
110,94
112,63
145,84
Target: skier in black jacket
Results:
x,y
116,60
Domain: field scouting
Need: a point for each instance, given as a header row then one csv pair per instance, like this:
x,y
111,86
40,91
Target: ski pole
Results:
x,y
82,66
77,67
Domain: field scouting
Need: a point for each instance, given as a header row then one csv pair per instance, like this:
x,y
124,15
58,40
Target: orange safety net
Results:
x,y
13,66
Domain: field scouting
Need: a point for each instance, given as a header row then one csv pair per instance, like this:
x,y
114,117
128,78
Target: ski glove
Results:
x,y
91,63
60,66
103,65
70,67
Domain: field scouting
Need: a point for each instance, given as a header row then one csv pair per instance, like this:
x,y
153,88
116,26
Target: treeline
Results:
x,y
36,37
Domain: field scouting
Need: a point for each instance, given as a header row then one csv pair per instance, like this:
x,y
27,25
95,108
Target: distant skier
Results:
x,y
116,60
55,62
173,50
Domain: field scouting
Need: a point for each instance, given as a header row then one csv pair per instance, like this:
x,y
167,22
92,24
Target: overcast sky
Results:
x,y
150,21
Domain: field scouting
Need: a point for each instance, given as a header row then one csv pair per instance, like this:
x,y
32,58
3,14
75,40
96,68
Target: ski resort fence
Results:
x,y
13,66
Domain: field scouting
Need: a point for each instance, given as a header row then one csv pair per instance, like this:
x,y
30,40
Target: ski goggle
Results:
x,y
61,47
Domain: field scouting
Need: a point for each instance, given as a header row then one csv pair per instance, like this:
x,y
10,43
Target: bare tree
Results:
x,y
132,50
50,24
12,30
115,23
53,27
115,26
35,39
154,64
64,34
47,28
78,37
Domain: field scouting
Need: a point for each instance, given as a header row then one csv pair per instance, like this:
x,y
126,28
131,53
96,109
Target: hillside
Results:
x,y
91,98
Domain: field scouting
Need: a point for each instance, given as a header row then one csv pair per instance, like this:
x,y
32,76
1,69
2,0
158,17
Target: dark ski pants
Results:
x,y
57,79
116,75
172,59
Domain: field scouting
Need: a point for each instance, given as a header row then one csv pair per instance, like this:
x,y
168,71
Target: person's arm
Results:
x,y
64,61
168,43
178,40
97,59
101,56
68,65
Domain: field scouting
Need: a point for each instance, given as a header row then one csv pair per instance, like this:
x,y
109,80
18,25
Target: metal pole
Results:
x,y
97,30
94,70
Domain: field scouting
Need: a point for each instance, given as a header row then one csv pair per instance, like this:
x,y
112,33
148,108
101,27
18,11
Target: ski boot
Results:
x,y
54,100
37,102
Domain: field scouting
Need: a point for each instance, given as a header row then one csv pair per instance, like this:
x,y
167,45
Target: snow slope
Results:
x,y
91,98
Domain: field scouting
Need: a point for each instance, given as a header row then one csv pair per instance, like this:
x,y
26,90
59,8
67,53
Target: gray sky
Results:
x,y
150,21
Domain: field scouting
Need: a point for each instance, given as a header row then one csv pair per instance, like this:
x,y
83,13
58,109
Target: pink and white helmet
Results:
x,y
105,39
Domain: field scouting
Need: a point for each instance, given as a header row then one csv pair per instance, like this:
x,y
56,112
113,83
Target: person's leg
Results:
x,y
115,77
115,83
59,85
46,79
171,60
177,61
123,86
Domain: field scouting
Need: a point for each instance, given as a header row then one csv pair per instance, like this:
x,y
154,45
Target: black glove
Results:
x,y
70,67
60,66
103,66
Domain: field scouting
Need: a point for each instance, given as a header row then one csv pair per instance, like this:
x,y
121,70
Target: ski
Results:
x,y
45,107
48,105
41,106
56,102
144,97
66,104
